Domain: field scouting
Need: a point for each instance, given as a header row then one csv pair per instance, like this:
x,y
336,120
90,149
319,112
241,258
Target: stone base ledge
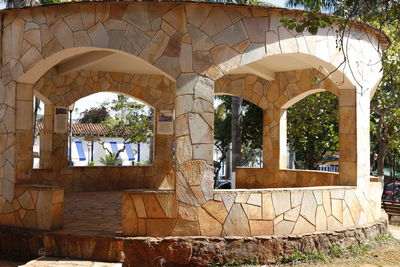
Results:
x,y
25,244
205,251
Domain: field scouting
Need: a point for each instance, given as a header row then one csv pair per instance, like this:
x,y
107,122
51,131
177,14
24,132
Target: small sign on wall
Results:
x,y
165,124
60,119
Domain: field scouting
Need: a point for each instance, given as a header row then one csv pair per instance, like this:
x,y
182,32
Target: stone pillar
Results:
x,y
194,131
363,98
274,139
24,132
46,138
348,133
7,150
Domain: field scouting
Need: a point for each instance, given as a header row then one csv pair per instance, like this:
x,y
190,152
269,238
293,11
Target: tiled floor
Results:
x,y
92,213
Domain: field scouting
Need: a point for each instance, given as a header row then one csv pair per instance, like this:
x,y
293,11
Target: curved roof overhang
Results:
x,y
382,37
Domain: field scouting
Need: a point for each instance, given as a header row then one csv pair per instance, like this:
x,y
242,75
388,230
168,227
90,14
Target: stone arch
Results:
x,y
154,90
288,87
247,86
93,54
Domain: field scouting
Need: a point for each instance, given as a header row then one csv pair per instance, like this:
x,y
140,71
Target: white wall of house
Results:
x,y
99,151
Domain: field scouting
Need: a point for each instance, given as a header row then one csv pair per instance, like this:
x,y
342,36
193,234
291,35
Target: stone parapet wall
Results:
x,y
160,175
250,212
263,178
35,207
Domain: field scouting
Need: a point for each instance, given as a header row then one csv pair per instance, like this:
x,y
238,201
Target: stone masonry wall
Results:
x,y
196,43
250,212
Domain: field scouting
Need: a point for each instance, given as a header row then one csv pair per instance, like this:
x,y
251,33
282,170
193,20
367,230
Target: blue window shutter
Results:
x,y
81,152
114,148
138,153
129,152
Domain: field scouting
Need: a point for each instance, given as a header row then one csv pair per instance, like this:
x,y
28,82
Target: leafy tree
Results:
x,y
385,106
94,115
252,120
129,122
313,128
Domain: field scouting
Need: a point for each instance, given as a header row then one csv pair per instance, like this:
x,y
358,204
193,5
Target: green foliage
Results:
x,y
110,159
384,15
313,127
311,22
301,257
94,115
353,251
251,133
92,163
129,122
385,106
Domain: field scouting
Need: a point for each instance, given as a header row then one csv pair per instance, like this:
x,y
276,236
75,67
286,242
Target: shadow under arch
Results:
x,y
302,96
87,55
42,97
267,67
230,94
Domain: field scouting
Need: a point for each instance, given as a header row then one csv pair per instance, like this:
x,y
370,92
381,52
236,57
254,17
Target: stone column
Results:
x,y
46,138
348,136
194,131
274,139
24,132
363,98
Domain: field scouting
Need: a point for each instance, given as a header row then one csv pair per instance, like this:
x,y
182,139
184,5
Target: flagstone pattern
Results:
x,y
194,45
249,212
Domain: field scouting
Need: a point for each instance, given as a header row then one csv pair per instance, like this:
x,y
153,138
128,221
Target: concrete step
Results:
x,y
65,262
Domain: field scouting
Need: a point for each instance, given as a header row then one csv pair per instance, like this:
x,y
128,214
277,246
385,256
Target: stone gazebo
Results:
x,y
176,57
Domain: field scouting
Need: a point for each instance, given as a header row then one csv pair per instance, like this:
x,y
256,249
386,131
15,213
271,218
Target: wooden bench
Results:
x,y
392,208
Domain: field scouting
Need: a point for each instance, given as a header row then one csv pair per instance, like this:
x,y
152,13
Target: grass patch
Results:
x,y
303,257
354,251
334,252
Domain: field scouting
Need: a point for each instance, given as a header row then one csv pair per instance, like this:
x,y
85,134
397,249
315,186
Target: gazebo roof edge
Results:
x,y
383,38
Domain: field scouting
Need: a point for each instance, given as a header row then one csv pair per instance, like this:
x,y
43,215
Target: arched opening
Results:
x,y
110,129
61,84
238,134
313,133
90,58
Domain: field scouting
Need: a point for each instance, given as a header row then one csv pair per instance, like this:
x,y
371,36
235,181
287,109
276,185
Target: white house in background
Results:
x,y
85,148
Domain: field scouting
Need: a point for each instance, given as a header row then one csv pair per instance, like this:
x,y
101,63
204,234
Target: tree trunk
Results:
x,y
151,146
35,113
236,124
310,159
228,169
383,148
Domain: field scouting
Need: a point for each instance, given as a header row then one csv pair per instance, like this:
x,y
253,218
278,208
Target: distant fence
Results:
x,y
328,168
